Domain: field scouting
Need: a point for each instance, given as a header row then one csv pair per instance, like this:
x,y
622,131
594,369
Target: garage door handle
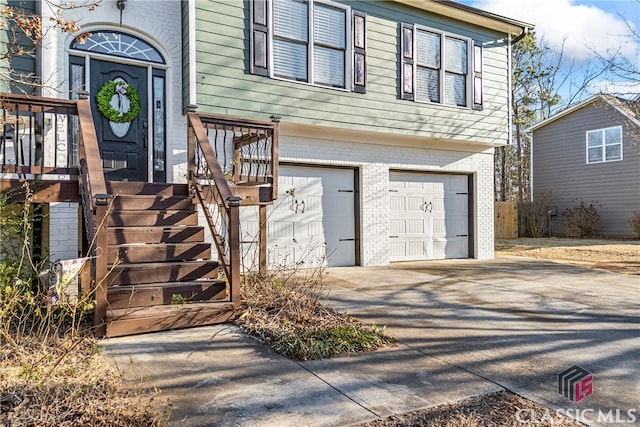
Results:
x,y
347,240
393,237
462,235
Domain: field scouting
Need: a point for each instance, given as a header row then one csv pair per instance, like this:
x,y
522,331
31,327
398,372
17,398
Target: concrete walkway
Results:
x,y
466,328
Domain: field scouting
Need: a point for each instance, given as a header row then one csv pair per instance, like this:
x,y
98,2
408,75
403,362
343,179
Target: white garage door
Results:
x,y
429,216
312,222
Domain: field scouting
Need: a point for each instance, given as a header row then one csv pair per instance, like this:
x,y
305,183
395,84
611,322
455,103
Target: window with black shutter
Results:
x,y
440,68
312,41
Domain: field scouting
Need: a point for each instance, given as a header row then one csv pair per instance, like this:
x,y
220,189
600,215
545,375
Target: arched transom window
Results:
x,y
119,44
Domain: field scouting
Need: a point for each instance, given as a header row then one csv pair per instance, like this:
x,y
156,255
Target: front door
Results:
x,y
120,113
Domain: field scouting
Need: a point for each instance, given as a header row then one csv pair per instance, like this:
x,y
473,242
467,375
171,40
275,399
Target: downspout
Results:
x,y
191,98
510,42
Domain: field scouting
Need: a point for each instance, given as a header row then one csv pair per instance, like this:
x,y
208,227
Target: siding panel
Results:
x,y
559,166
224,84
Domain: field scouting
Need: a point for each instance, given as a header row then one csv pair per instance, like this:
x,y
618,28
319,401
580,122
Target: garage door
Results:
x,y
429,216
312,222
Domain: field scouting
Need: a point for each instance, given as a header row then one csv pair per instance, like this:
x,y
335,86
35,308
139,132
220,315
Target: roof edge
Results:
x,y
580,105
471,15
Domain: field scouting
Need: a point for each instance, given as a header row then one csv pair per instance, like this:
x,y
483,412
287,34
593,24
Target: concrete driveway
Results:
x,y
466,328
517,322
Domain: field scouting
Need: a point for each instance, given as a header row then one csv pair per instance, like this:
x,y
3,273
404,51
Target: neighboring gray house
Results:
x,y
591,153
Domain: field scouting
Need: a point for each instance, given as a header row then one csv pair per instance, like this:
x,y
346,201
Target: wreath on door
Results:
x,y
119,102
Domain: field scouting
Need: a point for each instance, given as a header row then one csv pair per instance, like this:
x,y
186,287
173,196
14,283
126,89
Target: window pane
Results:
x,y
158,129
119,44
290,19
614,152
455,90
329,26
428,49
290,60
456,55
77,80
594,138
428,85
329,66
595,155
613,135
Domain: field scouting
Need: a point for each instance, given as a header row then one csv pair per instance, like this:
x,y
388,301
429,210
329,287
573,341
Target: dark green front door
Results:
x,y
123,146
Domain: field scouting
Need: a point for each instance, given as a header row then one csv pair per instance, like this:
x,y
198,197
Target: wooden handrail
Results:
x,y
24,111
223,197
95,199
216,172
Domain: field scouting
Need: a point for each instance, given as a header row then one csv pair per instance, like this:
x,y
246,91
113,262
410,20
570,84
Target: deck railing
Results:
x,y
224,153
50,139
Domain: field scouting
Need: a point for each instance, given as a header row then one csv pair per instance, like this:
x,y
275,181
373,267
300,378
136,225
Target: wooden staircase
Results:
x,y
161,275
150,268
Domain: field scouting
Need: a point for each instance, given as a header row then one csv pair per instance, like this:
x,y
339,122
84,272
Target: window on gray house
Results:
x,y
440,68
604,145
312,41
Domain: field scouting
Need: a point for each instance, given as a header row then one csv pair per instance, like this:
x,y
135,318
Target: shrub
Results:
x,y
635,223
284,310
51,373
581,221
536,214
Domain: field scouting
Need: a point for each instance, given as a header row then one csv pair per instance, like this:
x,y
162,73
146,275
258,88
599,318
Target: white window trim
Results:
x,y
442,72
604,145
348,66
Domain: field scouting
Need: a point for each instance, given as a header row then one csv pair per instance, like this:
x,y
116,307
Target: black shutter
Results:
x,y
359,29
478,90
406,62
259,37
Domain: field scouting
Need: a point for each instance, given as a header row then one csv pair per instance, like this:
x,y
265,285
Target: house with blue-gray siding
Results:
x,y
590,153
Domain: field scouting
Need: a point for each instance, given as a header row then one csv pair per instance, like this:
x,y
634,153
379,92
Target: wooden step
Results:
x,y
134,253
148,188
166,317
125,296
153,234
159,272
146,218
142,202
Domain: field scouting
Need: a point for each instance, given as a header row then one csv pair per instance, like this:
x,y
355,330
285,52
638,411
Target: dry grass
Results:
x,y
621,256
285,311
497,409
69,383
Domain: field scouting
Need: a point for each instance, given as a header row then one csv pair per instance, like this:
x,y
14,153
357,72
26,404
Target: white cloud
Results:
x,y
622,89
582,28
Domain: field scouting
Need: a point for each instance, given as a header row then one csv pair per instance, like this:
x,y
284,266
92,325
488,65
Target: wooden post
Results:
x,y
262,239
191,146
234,249
101,261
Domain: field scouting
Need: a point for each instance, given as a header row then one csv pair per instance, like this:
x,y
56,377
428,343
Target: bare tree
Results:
x,y
22,31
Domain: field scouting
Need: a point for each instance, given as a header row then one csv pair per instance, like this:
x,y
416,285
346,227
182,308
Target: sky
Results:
x,y
584,26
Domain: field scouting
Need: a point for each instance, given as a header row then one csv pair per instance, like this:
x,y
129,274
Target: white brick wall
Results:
x,y
374,162
63,231
158,22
